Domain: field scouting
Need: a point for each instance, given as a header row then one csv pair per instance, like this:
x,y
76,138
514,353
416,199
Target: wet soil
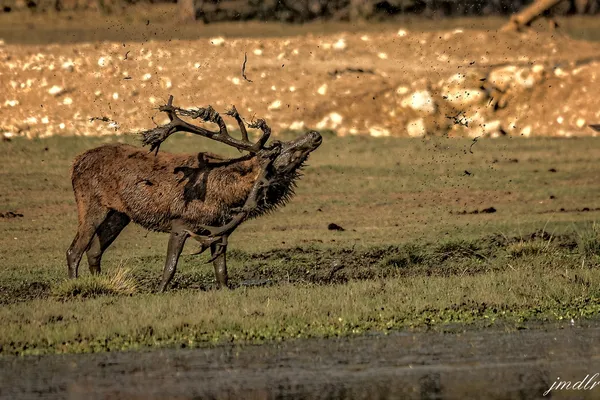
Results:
x,y
490,364
310,265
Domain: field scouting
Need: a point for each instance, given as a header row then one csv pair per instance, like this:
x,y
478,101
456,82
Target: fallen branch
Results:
x,y
523,19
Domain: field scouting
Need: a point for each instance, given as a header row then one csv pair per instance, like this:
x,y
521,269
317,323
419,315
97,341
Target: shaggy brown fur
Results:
x,y
115,184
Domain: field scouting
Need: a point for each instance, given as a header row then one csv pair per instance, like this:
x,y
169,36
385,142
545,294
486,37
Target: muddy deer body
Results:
x,y
201,195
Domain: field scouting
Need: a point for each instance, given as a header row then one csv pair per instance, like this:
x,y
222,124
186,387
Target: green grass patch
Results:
x,y
409,257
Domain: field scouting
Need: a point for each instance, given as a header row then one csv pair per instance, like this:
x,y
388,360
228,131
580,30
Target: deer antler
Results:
x,y
155,137
219,235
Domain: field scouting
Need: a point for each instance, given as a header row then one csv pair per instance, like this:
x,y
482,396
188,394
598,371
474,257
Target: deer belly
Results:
x,y
155,206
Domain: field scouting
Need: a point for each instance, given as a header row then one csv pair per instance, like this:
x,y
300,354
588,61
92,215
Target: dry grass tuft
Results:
x,y
120,283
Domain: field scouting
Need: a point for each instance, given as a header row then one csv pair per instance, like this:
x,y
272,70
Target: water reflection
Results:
x,y
474,365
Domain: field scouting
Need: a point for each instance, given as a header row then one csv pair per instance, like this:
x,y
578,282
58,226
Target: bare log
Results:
x,y
524,18
187,10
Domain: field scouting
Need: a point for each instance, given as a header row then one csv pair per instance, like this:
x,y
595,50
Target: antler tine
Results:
x,y
233,112
156,136
262,125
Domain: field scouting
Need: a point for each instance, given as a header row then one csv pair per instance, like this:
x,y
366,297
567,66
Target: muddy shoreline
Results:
x,y
492,364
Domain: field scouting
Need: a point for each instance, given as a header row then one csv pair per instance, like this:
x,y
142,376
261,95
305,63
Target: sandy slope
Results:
x,y
389,83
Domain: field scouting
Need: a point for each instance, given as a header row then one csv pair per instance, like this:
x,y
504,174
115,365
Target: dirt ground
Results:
x,y
391,82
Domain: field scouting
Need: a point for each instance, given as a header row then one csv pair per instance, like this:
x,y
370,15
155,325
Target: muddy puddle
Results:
x,y
484,364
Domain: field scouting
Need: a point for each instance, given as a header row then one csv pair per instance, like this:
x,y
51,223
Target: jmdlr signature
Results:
x,y
587,383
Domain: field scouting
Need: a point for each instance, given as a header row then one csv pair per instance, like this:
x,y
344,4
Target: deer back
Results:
x,y
154,189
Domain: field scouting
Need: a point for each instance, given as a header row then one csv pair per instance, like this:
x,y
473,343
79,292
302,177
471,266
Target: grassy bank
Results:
x,y
434,234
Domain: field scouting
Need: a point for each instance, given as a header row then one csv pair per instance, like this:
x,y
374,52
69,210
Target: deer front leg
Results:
x,y
218,252
176,241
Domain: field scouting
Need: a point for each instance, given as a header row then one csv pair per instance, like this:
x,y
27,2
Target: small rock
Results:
x,y
103,61
420,101
580,122
11,214
335,227
464,97
56,90
166,83
336,118
322,89
537,68
297,125
503,77
69,66
526,131
401,90
416,128
377,131
276,105
559,72
258,52
332,121
339,45
490,127
218,41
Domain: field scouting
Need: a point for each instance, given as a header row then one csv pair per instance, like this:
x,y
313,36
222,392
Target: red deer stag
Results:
x,y
203,195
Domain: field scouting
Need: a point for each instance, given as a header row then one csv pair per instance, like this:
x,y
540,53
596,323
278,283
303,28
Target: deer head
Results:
x,y
280,162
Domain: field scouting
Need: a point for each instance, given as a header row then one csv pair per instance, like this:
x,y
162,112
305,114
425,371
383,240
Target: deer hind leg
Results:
x,y
89,219
177,239
107,232
220,264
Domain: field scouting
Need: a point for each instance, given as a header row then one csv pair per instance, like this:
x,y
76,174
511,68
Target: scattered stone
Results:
x,y
340,44
416,128
502,78
56,91
335,227
526,132
488,210
322,89
401,90
276,105
297,125
420,101
464,97
11,214
377,131
218,41
332,121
